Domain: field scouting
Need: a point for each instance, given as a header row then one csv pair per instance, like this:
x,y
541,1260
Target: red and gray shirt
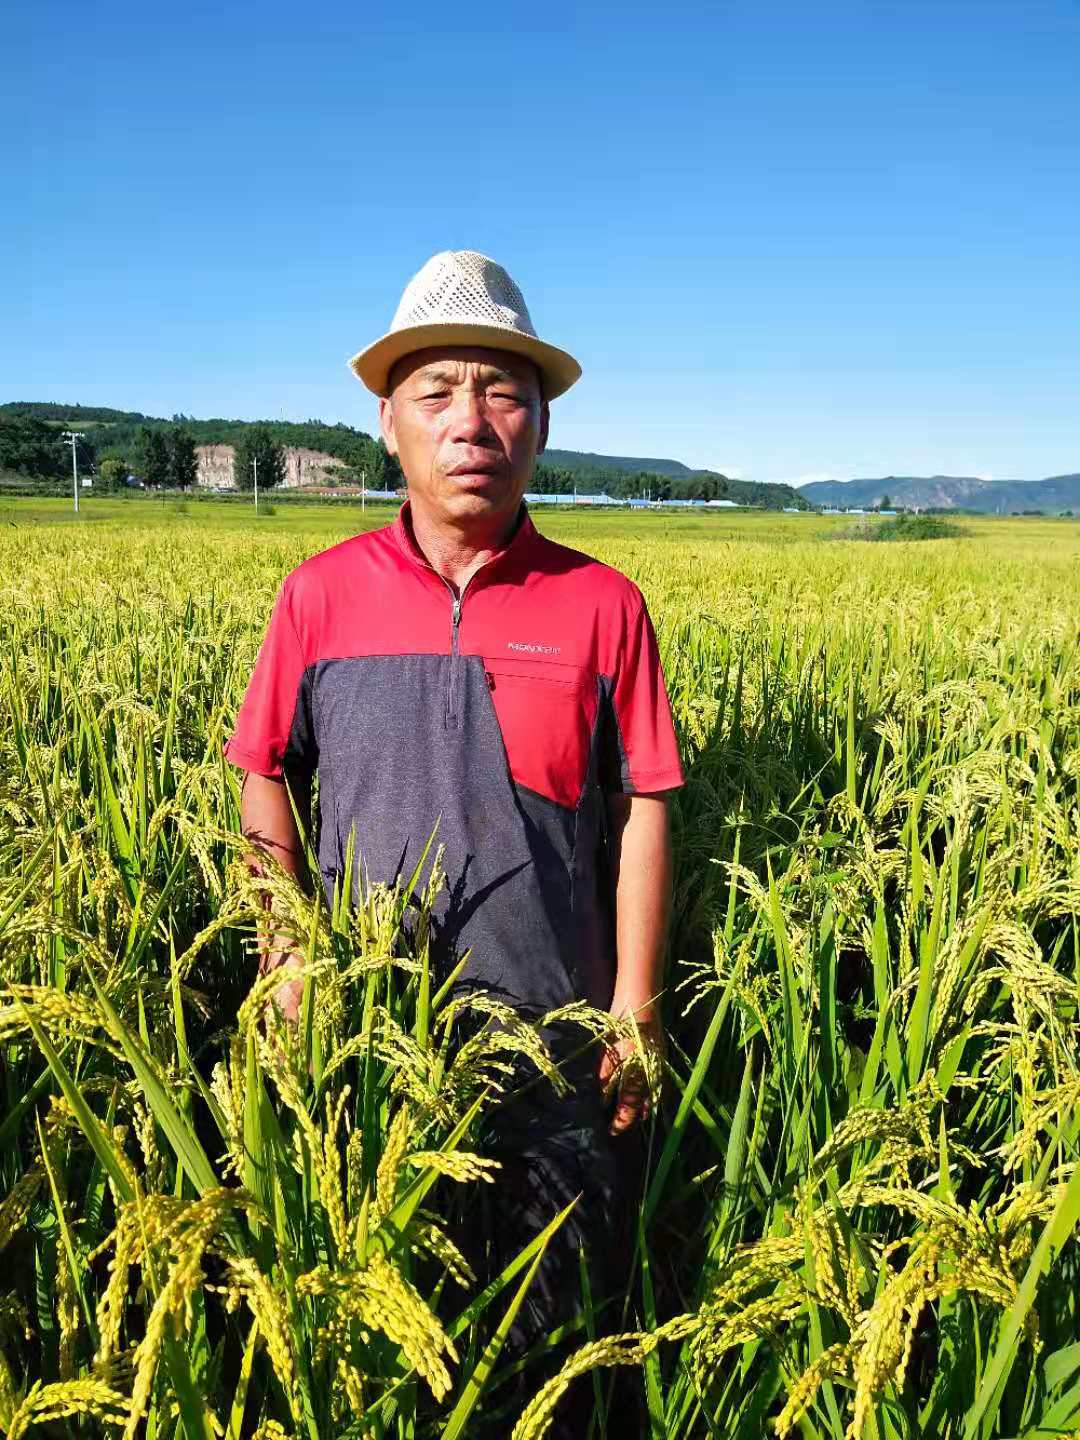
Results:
x,y
506,716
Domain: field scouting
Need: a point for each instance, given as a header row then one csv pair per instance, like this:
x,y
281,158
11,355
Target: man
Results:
x,y
457,666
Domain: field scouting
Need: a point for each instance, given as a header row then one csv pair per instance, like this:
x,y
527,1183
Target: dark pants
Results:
x,y
544,1166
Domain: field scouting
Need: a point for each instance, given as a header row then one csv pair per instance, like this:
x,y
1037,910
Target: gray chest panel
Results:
x,y
408,742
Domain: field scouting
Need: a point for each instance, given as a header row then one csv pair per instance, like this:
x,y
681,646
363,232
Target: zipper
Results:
x,y
455,661
456,602
455,621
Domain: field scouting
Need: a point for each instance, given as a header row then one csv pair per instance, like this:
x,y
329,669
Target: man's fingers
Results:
x,y
625,1071
628,1113
633,1100
287,1000
611,1061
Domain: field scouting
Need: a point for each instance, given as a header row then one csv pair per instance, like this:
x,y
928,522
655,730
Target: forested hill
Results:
x,y
121,434
583,461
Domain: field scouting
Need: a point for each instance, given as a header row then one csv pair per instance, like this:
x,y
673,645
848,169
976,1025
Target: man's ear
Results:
x,y
386,424
545,420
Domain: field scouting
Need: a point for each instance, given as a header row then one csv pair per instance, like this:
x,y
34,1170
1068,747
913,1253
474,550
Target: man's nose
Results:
x,y
468,417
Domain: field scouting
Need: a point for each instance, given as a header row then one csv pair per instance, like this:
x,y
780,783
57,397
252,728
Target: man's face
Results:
x,y
466,424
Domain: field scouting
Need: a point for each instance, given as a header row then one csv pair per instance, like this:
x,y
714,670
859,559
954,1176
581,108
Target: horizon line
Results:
x,y
798,482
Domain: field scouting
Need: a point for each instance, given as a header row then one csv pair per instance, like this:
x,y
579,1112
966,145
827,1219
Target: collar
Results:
x,y
524,533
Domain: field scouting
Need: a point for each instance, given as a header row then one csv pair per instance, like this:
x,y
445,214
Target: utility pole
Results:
x,y
255,471
73,437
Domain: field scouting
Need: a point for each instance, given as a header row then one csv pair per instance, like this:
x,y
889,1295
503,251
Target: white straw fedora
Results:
x,y
461,297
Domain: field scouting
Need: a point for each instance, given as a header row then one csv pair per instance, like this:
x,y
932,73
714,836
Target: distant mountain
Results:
x,y
950,492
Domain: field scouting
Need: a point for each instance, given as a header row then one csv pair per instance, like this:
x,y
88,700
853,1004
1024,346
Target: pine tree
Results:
x,y
183,461
256,443
388,474
155,462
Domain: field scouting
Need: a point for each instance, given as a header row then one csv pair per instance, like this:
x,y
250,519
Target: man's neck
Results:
x,y
456,553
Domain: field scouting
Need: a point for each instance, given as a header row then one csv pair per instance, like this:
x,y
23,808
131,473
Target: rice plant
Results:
x,y
862,1201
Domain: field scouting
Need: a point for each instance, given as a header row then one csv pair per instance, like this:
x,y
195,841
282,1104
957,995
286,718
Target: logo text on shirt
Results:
x,y
529,648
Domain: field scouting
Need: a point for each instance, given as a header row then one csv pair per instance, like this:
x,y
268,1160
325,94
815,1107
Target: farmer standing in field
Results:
x,y
458,667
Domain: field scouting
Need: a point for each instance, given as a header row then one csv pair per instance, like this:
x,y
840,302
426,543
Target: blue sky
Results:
x,y
787,239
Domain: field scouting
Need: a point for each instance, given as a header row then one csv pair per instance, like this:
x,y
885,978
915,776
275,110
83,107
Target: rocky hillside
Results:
x,y
303,467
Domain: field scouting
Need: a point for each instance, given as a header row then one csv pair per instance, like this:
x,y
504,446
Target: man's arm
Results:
x,y
266,819
640,831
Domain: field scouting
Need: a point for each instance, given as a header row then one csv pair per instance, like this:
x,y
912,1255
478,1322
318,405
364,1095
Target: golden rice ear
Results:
x,y
89,1397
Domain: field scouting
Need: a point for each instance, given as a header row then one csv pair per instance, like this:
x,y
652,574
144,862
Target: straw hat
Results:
x,y
461,297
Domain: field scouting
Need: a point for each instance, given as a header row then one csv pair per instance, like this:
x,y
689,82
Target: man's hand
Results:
x,y
632,1076
267,820
640,834
290,997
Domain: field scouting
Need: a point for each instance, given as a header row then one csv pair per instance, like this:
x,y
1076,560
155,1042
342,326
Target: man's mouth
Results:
x,y
477,467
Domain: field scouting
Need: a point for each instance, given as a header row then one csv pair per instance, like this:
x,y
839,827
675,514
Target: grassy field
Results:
x,y
863,1206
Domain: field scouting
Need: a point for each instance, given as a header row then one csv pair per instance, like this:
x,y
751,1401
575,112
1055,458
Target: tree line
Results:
x,y
645,484
32,448
163,455
119,442
160,456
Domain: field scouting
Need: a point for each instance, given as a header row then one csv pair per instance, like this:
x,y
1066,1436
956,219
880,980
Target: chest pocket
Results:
x,y
546,712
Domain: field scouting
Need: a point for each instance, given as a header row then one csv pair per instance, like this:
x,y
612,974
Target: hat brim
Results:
x,y
372,365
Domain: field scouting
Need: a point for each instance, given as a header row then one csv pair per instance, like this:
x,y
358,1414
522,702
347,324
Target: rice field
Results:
x,y
862,1209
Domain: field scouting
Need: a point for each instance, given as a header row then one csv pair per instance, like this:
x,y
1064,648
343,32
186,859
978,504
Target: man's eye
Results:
x,y
508,395
434,395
